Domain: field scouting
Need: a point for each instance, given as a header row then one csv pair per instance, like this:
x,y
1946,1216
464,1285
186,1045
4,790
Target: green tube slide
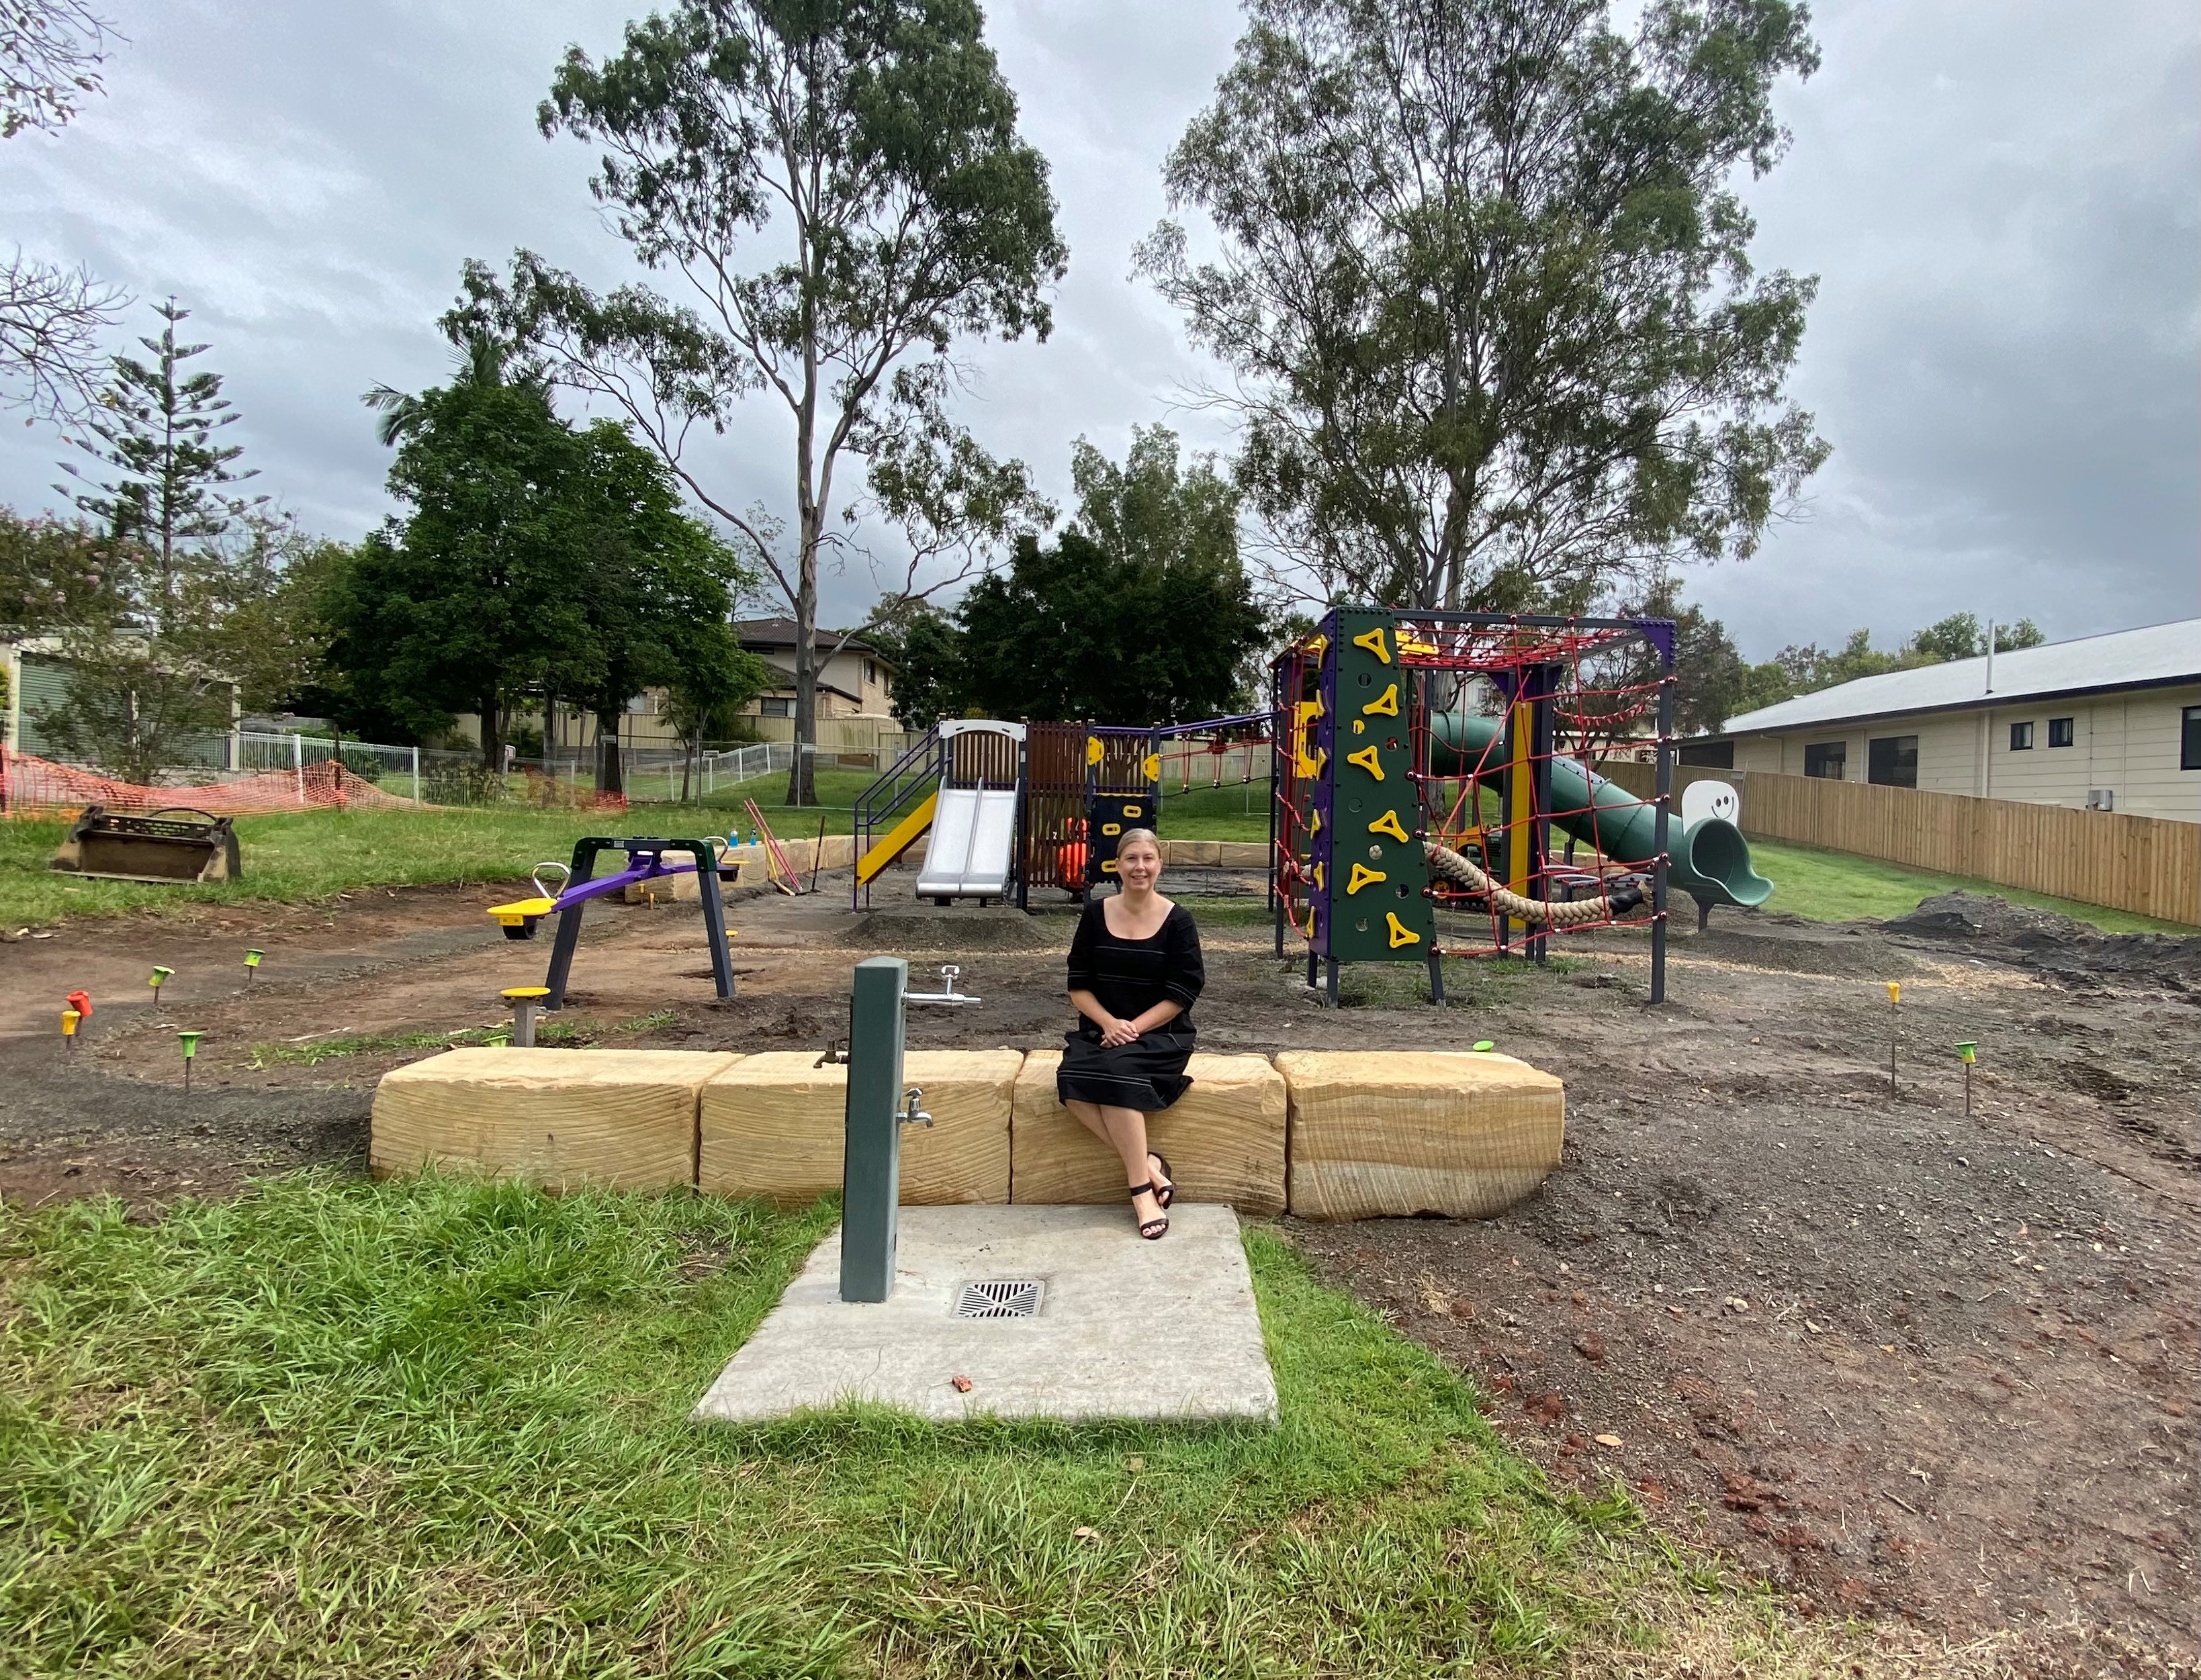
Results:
x,y
1710,860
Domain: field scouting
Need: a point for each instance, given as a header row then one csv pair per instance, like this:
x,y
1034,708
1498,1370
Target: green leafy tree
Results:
x,y
57,572
536,559
1141,613
156,428
841,194
462,604
269,633
1486,292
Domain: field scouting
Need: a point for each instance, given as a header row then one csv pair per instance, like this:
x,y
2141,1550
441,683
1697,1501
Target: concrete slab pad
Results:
x,y
1125,1328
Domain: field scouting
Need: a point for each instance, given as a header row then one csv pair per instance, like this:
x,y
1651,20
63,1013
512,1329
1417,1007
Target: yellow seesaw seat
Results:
x,y
518,918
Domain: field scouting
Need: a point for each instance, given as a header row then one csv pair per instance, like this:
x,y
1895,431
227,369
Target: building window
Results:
x,y
871,671
2020,737
2189,739
1828,760
2062,731
1892,761
1718,755
777,706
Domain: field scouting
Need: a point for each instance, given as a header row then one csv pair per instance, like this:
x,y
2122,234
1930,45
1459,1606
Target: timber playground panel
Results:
x,y
1333,1135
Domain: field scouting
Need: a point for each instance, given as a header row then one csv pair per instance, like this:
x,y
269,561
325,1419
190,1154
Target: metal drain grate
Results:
x,y
1001,1298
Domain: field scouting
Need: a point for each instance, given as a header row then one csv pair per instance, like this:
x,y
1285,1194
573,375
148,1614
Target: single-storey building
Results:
x,y
2105,723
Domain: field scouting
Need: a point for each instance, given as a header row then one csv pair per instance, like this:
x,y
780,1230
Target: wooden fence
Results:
x,y
2150,865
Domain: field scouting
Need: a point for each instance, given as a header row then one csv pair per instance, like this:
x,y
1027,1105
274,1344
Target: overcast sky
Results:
x,y
2001,199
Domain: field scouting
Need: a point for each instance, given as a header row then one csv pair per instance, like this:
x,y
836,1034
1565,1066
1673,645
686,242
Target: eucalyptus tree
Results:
x,y
51,316
1485,290
837,191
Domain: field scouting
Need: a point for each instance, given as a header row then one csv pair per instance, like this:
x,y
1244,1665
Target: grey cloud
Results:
x,y
2000,200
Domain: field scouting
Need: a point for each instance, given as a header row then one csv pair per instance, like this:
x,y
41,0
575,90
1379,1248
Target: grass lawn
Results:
x,y
436,1427
1841,886
314,853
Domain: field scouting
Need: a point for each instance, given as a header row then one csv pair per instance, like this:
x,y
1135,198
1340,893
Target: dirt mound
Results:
x,y
1790,952
893,929
2071,950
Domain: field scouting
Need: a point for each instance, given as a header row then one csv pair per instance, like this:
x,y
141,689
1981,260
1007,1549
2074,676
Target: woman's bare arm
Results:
x,y
1113,1029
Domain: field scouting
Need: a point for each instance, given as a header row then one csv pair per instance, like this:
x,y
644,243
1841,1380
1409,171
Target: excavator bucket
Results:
x,y
175,843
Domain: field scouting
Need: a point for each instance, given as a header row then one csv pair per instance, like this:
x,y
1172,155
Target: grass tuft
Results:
x,y
438,1427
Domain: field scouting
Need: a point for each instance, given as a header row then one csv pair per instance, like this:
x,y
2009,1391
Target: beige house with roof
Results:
x,y
2105,723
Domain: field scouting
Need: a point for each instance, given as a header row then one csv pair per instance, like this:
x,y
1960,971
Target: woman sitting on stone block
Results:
x,y
1135,971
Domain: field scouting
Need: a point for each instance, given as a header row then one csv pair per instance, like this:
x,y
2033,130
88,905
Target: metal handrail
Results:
x,y
877,805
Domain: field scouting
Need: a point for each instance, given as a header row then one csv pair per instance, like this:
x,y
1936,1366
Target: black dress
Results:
x,y
1130,977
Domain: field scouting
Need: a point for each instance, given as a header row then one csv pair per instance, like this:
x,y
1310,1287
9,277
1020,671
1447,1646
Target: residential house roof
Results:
x,y
761,634
2154,656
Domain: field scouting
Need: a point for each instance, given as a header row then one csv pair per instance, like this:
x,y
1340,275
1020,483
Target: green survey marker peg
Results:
x,y
251,964
189,1041
161,977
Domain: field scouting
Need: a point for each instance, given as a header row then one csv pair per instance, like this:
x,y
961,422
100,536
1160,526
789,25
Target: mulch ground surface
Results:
x,y
1905,1362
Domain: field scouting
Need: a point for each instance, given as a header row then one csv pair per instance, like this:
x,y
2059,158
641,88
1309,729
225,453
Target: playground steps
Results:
x,y
1418,1131
772,1126
1224,1137
1366,1134
565,1119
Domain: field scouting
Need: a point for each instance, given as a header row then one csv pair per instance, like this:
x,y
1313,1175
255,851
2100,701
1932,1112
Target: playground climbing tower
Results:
x,y
1431,796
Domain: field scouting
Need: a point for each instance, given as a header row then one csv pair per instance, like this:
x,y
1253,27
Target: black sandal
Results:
x,y
1153,1230
1165,1194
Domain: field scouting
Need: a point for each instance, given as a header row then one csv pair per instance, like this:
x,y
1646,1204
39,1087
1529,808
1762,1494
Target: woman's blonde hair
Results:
x,y
1147,834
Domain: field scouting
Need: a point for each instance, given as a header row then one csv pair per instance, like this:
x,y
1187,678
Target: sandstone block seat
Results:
x,y
773,1124
1224,1137
1418,1131
565,1119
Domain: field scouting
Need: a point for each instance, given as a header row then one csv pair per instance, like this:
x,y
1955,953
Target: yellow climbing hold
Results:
x,y
1152,765
1362,876
1360,726
1400,932
1366,758
1386,705
1315,875
1387,823
1314,821
1094,749
1373,641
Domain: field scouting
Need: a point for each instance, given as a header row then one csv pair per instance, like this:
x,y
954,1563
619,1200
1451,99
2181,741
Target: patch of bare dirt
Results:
x,y
1909,1363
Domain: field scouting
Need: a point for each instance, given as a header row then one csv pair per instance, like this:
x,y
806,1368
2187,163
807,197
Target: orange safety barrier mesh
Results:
x,y
31,786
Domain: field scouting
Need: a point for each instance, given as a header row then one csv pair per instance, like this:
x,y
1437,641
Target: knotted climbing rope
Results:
x,y
1547,913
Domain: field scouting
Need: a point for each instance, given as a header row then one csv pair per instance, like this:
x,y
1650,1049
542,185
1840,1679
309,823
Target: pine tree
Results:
x,y
156,427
